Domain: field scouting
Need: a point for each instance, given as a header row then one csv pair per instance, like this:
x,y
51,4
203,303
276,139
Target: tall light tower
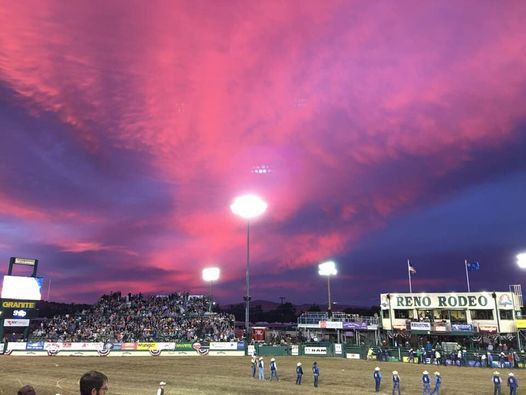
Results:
x,y
248,207
328,269
211,274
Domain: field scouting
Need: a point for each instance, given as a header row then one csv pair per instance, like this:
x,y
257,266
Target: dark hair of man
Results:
x,y
92,380
26,390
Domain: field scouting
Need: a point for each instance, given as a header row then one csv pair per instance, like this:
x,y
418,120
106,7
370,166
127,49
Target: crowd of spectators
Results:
x,y
135,317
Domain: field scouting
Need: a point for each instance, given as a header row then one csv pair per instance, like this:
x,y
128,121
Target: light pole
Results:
x,y
211,274
248,207
521,260
328,269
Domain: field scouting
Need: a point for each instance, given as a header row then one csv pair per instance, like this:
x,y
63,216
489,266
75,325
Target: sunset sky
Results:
x,y
389,130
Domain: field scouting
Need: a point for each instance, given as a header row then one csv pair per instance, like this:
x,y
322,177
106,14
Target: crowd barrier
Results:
x,y
108,349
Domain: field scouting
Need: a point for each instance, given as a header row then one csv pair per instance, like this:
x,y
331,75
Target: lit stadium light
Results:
x,y
248,207
521,260
211,274
262,169
328,269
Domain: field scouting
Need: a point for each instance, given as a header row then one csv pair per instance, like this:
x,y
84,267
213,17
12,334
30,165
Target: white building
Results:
x,y
453,312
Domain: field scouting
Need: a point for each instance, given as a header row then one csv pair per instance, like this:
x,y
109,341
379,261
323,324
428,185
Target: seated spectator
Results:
x,y
93,383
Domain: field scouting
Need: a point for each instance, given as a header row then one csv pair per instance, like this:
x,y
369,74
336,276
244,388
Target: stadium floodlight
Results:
x,y
521,260
248,207
211,274
328,269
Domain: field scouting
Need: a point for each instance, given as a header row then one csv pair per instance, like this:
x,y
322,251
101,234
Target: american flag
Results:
x,y
411,268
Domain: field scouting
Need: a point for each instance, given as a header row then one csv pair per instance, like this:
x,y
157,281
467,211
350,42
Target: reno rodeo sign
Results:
x,y
473,300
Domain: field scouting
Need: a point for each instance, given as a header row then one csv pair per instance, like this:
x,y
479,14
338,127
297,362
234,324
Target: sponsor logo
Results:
x,y
13,304
199,348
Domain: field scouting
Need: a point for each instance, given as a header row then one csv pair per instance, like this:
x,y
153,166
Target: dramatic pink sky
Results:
x,y
392,130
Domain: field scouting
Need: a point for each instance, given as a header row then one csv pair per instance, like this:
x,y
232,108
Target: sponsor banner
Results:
x,y
35,346
166,346
223,346
75,353
461,328
348,334
521,324
19,304
309,326
420,326
440,328
58,346
337,348
16,346
16,322
251,350
400,326
487,328
295,350
146,346
353,356
315,350
183,347
467,300
355,325
372,327
330,324
241,346
128,346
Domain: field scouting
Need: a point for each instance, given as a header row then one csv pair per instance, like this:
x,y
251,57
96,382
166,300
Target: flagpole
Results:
x,y
467,275
409,275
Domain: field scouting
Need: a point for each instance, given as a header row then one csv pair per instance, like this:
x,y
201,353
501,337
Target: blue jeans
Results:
x,y
377,385
274,375
298,379
316,378
261,374
396,387
436,390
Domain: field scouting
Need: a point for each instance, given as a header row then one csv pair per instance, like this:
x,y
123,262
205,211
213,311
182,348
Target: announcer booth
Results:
x,y
451,314
20,294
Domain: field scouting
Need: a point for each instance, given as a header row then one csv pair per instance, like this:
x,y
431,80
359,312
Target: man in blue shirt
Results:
x,y
426,382
497,381
513,384
261,366
315,373
438,383
299,373
273,370
377,375
396,383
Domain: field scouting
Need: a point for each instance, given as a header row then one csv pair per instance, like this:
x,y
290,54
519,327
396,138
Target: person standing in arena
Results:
x,y
426,383
316,373
261,367
273,370
497,381
438,383
513,384
396,383
160,390
253,366
377,375
299,373
93,383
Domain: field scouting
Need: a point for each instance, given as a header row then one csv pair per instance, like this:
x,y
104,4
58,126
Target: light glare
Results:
x,y
327,269
211,274
521,260
248,206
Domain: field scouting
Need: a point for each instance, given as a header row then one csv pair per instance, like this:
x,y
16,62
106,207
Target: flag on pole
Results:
x,y
411,269
473,266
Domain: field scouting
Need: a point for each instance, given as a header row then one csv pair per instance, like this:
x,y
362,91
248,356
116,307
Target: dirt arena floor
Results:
x,y
231,375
